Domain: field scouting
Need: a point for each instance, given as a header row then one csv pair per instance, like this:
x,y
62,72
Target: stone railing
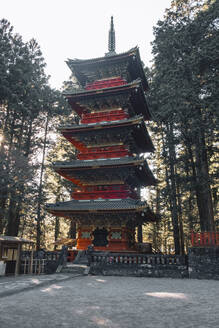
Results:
x,y
137,259
138,265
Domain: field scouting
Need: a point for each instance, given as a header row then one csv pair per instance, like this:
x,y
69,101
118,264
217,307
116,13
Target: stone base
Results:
x,y
203,263
140,270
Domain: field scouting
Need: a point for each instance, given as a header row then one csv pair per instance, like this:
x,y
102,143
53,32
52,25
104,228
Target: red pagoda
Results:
x,y
111,139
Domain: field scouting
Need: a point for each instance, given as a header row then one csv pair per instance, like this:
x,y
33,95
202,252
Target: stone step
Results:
x,y
81,258
80,269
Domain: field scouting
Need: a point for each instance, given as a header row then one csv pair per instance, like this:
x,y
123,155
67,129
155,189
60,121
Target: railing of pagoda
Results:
x,y
105,192
104,152
135,259
204,239
112,115
107,83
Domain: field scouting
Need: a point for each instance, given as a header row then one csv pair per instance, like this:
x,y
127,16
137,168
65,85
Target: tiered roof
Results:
x,y
130,95
134,171
127,65
109,132
128,209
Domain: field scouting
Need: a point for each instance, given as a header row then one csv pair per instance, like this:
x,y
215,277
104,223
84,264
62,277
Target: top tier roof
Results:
x,y
127,65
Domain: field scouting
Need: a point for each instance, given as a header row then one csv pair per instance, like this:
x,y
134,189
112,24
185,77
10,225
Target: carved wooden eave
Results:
x,y
133,171
118,211
131,132
128,96
127,65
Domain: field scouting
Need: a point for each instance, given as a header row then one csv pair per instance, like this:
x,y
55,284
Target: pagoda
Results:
x,y
111,139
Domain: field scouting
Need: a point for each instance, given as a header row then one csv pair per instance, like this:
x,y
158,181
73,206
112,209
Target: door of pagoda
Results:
x,y
100,237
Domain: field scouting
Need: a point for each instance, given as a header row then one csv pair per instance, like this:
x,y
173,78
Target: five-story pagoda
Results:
x,y
110,139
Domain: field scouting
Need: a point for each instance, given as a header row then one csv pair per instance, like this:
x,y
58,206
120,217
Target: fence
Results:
x,y
37,263
33,266
45,255
205,239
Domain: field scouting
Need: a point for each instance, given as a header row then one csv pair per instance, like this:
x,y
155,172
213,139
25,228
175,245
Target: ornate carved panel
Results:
x,y
85,234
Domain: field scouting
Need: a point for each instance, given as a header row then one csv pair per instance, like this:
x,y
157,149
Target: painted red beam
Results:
x,y
108,116
104,192
204,239
104,152
107,83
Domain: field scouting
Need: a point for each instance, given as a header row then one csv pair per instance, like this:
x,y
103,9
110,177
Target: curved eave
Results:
x,y
136,68
96,164
81,93
120,207
87,127
140,103
91,61
137,123
78,171
92,206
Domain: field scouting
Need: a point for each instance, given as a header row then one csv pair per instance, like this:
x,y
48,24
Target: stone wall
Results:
x,y
139,270
138,265
203,263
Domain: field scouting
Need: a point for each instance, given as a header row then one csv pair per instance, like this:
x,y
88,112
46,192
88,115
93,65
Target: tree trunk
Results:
x,y
11,226
57,227
200,172
72,230
204,200
39,201
172,188
180,217
140,237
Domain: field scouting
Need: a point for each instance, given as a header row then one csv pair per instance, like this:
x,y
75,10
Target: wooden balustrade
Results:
x,y
136,259
104,192
104,117
33,263
33,266
204,239
47,255
105,83
104,152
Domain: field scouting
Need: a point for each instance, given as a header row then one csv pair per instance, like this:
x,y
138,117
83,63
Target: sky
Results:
x,y
79,28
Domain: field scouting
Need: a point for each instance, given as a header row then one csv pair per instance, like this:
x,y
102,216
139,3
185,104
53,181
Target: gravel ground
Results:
x,y
115,302
10,285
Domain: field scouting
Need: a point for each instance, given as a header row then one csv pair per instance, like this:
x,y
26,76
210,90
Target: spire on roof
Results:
x,y
112,40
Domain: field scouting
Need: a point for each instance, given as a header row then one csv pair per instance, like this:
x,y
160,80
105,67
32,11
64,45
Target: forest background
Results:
x,y
183,100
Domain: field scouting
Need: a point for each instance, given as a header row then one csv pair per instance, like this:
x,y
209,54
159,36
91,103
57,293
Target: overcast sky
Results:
x,y
79,28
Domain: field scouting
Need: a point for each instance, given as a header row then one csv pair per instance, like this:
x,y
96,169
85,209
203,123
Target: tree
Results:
x,y
183,99
25,101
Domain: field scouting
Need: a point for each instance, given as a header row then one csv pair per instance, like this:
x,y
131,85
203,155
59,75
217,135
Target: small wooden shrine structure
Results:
x,y
10,251
111,139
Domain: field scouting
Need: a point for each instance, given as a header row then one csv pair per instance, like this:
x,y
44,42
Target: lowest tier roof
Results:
x,y
99,205
124,210
127,65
